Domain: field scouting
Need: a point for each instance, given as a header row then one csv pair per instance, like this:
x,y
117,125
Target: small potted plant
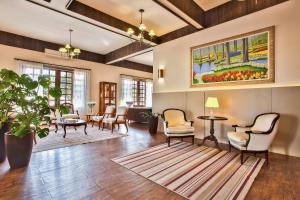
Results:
x,y
152,119
22,108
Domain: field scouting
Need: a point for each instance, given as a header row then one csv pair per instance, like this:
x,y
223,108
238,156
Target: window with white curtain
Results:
x,y
136,90
74,83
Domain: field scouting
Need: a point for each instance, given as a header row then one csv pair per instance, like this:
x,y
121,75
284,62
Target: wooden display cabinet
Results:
x,y
107,95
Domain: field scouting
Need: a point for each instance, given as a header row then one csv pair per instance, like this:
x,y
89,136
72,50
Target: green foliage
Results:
x,y
149,115
21,105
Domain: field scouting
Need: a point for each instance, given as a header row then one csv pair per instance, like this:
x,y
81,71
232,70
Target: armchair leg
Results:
x,y
193,140
168,141
229,148
103,126
126,127
242,157
93,123
112,128
267,156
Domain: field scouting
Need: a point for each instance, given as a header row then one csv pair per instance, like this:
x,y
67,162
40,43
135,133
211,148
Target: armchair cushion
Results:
x,y
113,120
180,129
239,138
97,118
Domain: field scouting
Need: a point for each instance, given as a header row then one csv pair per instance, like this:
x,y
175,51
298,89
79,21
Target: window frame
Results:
x,y
139,90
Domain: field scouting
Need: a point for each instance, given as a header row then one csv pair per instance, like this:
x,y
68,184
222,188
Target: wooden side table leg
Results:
x,y
65,131
85,125
56,128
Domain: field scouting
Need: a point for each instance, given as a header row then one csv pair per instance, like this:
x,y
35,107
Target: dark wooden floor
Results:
x,y
86,172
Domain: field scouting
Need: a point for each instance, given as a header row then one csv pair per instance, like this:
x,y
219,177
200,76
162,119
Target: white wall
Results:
x,y
174,56
99,72
242,104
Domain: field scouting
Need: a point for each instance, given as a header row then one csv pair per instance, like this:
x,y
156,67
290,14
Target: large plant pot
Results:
x,y
152,125
18,150
3,130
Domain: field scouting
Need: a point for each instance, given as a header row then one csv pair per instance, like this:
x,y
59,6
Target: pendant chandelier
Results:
x,y
142,30
68,50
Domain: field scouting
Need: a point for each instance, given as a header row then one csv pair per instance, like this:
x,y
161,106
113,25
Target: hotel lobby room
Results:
x,y
149,99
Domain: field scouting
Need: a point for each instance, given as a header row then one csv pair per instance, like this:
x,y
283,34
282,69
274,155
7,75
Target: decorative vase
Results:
x,y
3,130
18,150
152,125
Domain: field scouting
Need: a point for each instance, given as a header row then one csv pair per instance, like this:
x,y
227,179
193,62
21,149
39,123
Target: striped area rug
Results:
x,y
195,172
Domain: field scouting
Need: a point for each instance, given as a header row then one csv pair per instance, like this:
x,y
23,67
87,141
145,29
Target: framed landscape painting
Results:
x,y
242,59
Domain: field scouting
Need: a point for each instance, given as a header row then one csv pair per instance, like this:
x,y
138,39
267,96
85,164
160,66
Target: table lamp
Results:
x,y
212,102
91,105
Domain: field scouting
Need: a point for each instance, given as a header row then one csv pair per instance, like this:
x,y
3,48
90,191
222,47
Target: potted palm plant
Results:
x,y
22,109
152,119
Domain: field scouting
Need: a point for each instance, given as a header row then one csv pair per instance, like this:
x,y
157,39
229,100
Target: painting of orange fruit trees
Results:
x,y
243,59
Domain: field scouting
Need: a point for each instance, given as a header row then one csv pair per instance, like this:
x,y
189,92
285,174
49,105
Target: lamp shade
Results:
x,y
212,102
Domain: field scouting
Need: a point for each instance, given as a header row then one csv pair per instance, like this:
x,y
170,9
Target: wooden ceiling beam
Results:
x,y
126,52
135,66
23,42
187,30
97,15
235,9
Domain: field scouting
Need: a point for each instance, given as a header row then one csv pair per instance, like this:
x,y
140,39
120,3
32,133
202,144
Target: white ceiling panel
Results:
x,y
28,19
209,4
146,58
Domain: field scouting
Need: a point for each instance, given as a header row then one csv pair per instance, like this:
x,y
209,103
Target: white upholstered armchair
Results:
x,y
255,138
176,125
120,118
108,113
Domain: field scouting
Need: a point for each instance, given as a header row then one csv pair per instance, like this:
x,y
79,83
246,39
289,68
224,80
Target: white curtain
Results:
x,y
149,91
34,70
81,90
126,90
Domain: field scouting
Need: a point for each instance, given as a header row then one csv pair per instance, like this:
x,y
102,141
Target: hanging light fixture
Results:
x,y
142,30
68,50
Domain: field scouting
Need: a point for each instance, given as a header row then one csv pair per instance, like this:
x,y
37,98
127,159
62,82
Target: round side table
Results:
x,y
212,119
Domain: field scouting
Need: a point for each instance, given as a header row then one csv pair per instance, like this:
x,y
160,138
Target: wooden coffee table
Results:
x,y
64,124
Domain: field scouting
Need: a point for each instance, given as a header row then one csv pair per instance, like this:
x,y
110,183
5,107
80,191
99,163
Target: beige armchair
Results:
x,y
176,125
120,118
53,116
109,112
72,113
255,138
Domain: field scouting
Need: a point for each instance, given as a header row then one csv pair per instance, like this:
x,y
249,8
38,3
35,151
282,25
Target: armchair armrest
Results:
x,y
166,124
236,125
190,122
125,118
241,128
258,141
255,132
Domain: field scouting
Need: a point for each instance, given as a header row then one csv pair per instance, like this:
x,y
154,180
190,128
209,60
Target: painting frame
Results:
x,y
271,59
